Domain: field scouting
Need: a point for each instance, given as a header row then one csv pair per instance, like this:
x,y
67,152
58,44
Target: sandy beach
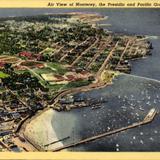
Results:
x,y
40,131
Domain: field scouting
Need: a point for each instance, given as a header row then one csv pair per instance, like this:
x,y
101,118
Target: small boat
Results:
x,y
96,106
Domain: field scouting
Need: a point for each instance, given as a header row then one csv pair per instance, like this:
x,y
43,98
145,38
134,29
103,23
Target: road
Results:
x,y
84,52
98,53
124,51
63,57
76,90
106,61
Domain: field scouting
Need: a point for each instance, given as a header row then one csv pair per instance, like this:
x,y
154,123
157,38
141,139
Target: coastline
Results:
x,y
36,125
46,114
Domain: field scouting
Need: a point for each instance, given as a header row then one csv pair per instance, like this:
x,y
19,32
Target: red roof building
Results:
x,y
70,77
2,64
26,54
40,65
38,56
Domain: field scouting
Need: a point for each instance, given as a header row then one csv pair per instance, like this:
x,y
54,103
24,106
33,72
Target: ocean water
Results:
x,y
128,100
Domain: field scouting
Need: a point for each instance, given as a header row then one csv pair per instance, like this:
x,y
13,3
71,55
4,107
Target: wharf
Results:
x,y
148,119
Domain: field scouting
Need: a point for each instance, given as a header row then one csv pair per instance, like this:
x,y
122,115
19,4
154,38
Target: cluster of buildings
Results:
x,y
67,77
16,105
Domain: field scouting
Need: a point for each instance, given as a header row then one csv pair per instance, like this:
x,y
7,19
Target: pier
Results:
x,y
148,119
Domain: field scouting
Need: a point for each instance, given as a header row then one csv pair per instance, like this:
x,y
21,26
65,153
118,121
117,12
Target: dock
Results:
x,y
63,139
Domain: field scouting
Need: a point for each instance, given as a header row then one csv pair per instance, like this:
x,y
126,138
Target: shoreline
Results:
x,y
93,17
51,110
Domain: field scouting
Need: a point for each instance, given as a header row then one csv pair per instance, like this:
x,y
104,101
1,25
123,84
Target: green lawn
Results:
x,y
3,75
59,69
75,84
20,71
43,70
56,87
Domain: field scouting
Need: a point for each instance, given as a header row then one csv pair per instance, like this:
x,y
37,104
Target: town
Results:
x,y
45,59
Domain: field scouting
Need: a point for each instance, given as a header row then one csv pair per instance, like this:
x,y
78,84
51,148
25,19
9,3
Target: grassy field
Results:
x,y
57,68
75,84
3,75
43,70
59,87
56,87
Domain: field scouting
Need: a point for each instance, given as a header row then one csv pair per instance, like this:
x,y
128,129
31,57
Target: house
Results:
x,y
26,54
16,115
2,64
38,57
70,77
39,65
59,78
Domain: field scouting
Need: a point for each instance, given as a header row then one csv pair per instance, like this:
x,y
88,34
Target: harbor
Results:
x,y
149,118
123,107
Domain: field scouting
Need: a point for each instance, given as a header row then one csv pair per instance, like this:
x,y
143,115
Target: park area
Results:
x,y
3,75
